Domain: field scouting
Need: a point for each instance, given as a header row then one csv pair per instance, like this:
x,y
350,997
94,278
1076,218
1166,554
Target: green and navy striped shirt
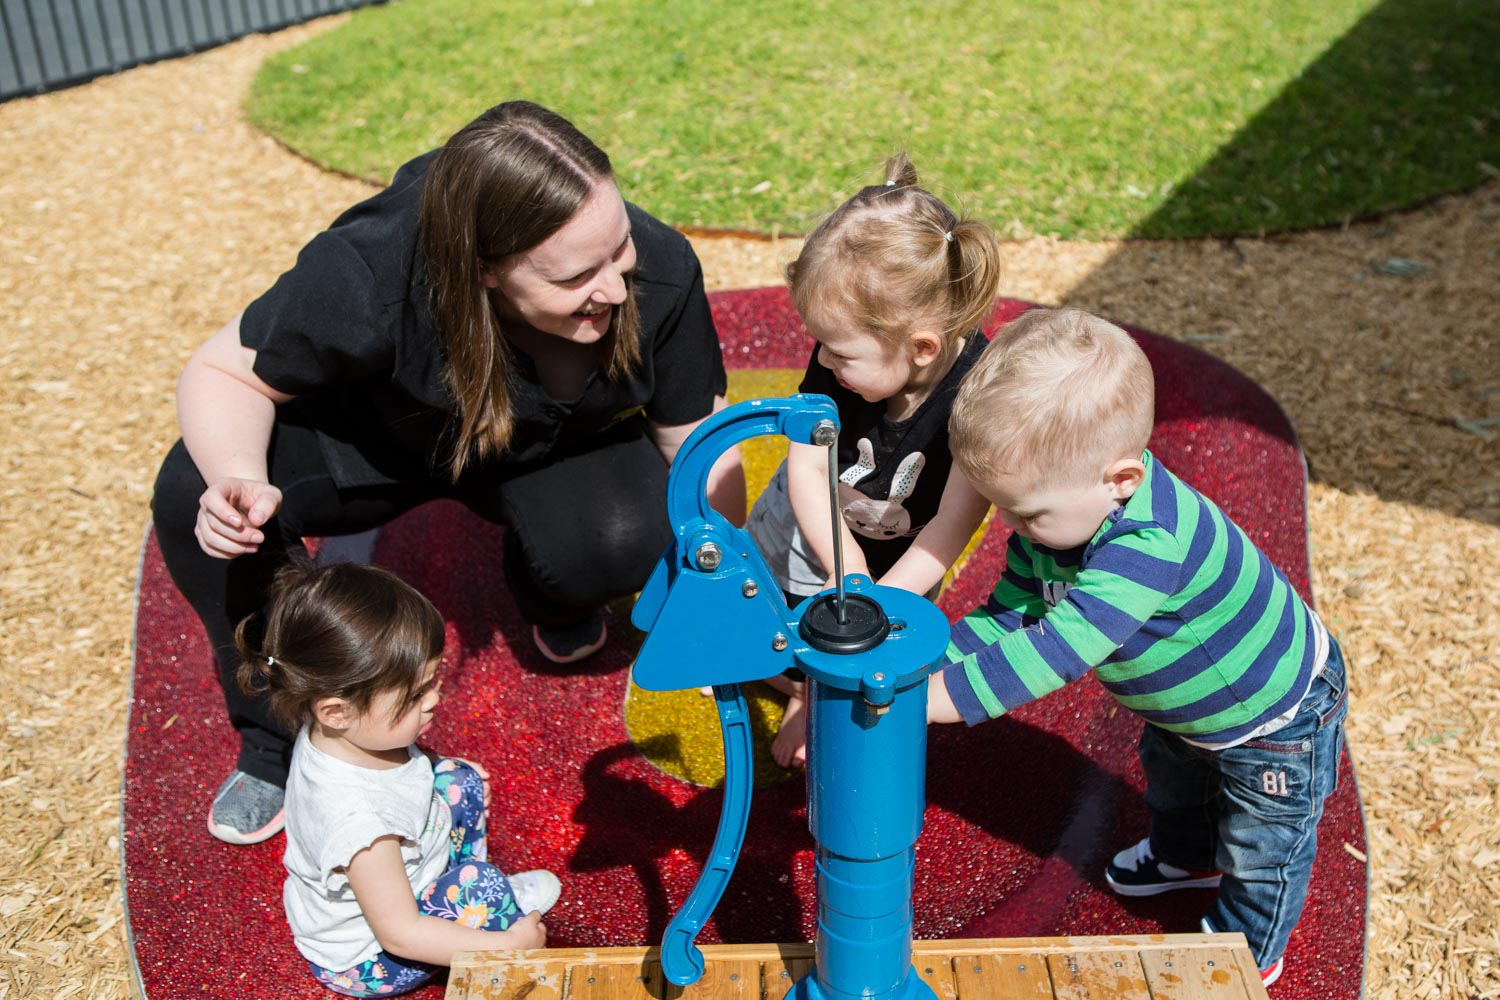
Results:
x,y
1180,616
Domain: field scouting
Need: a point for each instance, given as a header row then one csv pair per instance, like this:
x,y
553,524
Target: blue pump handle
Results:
x,y
717,621
681,959
792,416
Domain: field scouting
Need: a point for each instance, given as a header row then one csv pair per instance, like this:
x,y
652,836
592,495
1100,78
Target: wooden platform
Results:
x,y
1155,967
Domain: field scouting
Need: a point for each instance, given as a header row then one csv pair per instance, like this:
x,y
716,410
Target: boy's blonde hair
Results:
x,y
894,256
1058,395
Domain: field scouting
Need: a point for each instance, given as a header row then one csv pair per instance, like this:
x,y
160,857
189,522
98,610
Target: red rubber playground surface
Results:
x,y
1022,812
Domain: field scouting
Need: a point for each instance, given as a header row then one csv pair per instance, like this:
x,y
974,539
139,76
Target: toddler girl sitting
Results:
x,y
385,849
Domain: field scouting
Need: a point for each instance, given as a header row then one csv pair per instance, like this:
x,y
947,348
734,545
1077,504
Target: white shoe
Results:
x,y
538,890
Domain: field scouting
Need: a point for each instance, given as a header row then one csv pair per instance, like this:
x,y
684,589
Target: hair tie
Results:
x,y
890,182
948,236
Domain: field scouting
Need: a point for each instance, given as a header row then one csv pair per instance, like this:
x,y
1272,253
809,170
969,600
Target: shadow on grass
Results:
x,y
1410,72
1373,337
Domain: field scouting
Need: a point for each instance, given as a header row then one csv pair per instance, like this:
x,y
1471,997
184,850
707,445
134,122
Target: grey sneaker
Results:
x,y
538,890
246,810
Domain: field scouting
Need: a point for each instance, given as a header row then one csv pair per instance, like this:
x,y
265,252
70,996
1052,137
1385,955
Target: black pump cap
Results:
x,y
865,625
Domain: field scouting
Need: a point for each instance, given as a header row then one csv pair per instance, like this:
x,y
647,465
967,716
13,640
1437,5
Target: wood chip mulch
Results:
x,y
139,212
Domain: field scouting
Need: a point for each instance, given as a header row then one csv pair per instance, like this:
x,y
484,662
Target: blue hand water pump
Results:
x,y
714,615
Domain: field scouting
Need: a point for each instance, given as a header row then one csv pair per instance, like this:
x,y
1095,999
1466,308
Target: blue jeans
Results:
x,y
1251,811
470,892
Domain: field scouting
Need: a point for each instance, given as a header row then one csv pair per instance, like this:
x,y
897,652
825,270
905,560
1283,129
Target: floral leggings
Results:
x,y
471,892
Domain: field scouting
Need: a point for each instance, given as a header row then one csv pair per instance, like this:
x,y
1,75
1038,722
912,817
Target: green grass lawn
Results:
x,y
1084,118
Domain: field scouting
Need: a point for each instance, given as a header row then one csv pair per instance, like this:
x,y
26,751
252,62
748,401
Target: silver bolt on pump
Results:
x,y
827,435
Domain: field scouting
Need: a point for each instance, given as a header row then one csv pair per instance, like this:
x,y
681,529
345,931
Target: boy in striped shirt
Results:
x,y
1117,566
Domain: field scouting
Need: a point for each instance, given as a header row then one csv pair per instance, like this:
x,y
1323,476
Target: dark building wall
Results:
x,y
48,44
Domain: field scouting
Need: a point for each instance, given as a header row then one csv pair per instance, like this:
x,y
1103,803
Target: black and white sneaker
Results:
x,y
1135,872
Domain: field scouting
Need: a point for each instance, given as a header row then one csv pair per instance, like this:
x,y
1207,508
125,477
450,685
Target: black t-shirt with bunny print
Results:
x,y
892,473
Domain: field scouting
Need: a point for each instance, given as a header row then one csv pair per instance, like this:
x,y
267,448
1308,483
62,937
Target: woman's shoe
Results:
x,y
246,810
571,643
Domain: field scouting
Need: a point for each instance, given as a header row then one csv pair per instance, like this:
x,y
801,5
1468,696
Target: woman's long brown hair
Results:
x,y
503,184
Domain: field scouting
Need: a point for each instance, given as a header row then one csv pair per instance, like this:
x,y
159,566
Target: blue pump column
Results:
x,y
866,794
867,659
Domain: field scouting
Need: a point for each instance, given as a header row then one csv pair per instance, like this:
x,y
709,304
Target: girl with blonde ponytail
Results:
x,y
893,286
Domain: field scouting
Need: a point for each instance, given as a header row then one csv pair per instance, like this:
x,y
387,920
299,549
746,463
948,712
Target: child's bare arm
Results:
x,y
939,544
940,707
378,878
807,488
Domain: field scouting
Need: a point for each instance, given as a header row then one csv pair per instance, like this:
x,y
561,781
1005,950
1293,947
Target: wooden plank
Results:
x,y
612,981
632,953
938,974
1114,967
531,980
731,979
1013,977
1115,942
735,979
780,974
1254,988
939,947
618,981
1197,974
1098,975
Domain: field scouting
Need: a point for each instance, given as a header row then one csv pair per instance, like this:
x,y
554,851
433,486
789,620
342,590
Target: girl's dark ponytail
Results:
x,y
338,631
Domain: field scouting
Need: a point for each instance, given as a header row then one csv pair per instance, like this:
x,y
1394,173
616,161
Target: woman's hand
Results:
x,y
231,513
226,414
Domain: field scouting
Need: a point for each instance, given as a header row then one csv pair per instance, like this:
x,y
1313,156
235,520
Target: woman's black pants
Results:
x,y
583,528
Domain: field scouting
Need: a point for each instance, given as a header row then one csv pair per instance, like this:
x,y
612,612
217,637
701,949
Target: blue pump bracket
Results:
x,y
725,606
714,615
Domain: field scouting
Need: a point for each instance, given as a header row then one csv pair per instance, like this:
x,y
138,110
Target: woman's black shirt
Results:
x,y
349,332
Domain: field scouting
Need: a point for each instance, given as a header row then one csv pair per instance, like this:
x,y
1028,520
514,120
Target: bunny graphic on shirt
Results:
x,y
880,519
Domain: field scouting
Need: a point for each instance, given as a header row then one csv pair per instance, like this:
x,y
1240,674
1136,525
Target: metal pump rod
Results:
x,y
827,434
